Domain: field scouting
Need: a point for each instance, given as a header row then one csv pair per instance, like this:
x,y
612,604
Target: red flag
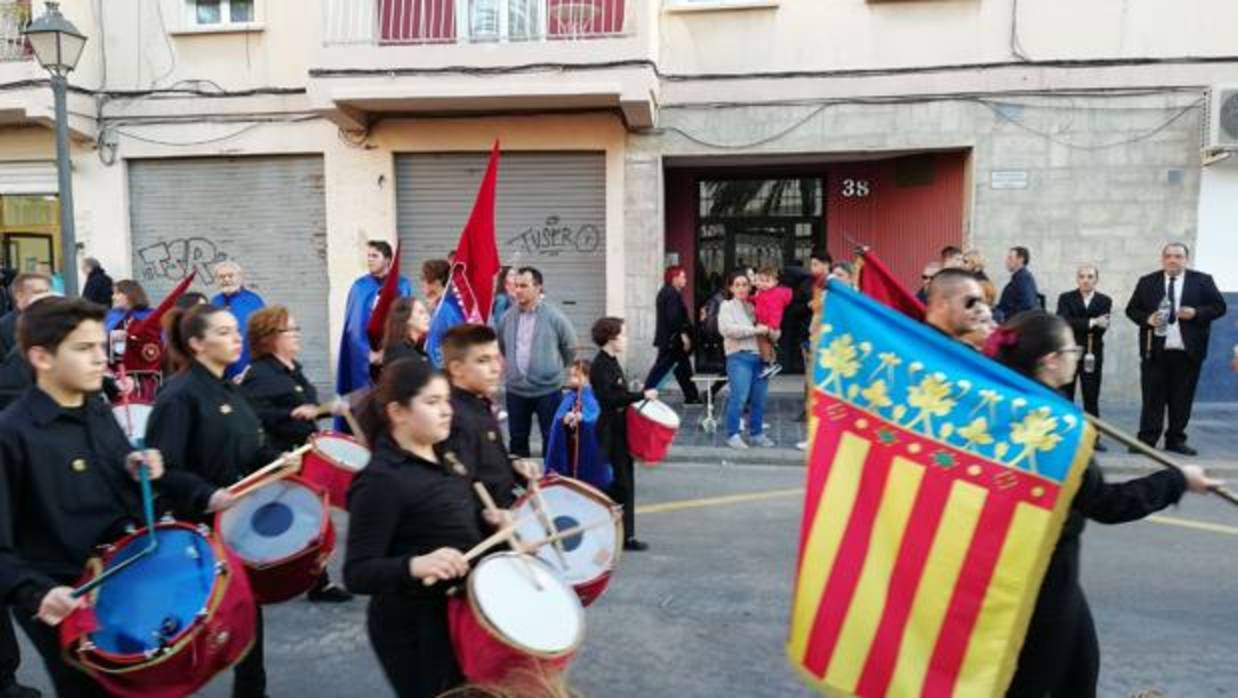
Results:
x,y
878,283
386,296
144,345
477,254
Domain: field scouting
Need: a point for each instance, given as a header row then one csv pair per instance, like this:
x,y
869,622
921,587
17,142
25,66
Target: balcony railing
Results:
x,y
14,14
466,21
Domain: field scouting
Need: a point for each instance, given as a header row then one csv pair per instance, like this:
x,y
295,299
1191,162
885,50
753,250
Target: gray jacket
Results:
x,y
554,347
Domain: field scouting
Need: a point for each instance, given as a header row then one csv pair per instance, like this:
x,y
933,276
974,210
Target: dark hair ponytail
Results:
x,y
184,324
401,381
1022,342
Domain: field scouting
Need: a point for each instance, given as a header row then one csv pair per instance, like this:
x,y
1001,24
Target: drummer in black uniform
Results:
x,y
412,513
209,434
284,399
66,477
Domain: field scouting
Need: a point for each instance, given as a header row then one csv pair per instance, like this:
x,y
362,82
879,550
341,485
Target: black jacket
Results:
x,y
673,320
8,331
274,391
404,350
1018,296
401,506
63,491
477,441
1070,307
1197,291
209,435
98,288
610,387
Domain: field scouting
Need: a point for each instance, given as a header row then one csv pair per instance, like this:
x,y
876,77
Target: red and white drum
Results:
x,y
518,620
332,463
133,419
586,560
652,425
283,534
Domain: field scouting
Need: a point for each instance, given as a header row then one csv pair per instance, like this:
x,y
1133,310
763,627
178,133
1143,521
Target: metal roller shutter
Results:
x,y
265,213
551,214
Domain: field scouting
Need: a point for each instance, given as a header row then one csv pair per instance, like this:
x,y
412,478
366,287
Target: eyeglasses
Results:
x,y
1075,350
972,301
291,330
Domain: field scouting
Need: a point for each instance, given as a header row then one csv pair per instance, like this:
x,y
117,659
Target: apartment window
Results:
x,y
213,13
417,21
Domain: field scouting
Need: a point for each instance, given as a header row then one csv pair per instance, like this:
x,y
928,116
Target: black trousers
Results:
x,y
10,654
1168,379
249,676
520,412
1089,385
623,486
673,358
413,644
69,681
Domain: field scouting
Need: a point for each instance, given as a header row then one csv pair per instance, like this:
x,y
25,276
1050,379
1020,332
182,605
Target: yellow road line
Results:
x,y
716,501
1191,523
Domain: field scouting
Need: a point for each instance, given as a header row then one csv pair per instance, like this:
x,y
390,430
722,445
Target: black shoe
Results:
x,y
635,545
328,594
1100,447
17,690
1183,449
693,401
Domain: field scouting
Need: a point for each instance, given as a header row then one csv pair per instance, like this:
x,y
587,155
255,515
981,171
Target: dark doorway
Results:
x,y
756,222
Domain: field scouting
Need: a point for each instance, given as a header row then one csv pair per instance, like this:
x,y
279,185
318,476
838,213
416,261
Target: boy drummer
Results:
x,y
67,476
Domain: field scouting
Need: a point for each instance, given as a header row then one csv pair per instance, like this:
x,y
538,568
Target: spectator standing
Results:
x,y
1020,294
98,285
241,302
1087,311
739,329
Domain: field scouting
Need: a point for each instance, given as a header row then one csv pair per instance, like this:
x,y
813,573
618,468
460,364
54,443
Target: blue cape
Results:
x,y
241,304
115,316
592,466
447,315
353,370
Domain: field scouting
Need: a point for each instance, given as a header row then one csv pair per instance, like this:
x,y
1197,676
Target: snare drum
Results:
x,y
170,622
133,419
283,534
651,429
332,463
590,556
518,618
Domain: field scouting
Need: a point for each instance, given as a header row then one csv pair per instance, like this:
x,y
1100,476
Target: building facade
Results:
x,y
636,133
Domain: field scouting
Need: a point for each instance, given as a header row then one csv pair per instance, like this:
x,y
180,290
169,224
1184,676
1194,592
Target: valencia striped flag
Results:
x,y
938,484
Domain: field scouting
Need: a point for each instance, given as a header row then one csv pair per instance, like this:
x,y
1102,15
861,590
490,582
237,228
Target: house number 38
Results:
x,y
855,188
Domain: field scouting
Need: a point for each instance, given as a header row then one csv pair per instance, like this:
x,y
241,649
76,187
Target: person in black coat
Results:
x,y
1060,657
25,288
610,387
404,335
1169,363
1020,294
673,336
98,286
1087,311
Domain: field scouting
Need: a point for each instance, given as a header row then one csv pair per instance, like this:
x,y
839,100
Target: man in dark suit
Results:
x,y
1172,343
1087,312
1020,294
673,336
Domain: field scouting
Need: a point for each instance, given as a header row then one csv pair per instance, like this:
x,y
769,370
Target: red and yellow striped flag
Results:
x,y
938,483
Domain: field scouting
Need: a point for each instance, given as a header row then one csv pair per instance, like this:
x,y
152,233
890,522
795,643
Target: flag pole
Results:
x,y
1126,439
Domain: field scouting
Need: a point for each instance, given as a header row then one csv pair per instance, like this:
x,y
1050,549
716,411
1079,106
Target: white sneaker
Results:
x,y
802,445
761,441
737,442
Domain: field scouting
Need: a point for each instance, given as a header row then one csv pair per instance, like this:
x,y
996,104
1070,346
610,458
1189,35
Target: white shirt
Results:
x,y
1173,337
1087,299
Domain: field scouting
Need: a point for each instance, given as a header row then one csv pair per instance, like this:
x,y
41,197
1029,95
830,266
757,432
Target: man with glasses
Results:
x,y
241,302
930,270
1174,309
956,307
1087,311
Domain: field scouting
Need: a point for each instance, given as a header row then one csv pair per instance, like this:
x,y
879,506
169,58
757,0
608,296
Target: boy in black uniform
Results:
x,y
66,477
474,366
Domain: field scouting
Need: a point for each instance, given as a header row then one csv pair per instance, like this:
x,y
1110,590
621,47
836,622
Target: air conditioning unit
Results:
x,y
1221,129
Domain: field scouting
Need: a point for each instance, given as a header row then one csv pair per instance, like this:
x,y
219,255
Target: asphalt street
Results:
x,y
704,612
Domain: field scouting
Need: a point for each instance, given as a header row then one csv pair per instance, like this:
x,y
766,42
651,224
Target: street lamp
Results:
x,y
58,44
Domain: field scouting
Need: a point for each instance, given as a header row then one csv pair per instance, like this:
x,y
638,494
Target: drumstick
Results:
x,y
284,462
484,495
567,533
499,536
548,525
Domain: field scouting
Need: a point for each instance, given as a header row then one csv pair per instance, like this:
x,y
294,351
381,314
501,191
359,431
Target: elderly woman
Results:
x,y
739,329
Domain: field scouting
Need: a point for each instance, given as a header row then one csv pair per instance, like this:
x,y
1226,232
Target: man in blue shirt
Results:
x,y
1020,294
241,302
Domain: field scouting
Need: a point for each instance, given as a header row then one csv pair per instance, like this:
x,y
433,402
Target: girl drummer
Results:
x,y
1060,656
412,512
209,434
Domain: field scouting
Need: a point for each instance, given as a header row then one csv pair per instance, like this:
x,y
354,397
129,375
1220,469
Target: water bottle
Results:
x,y
1162,314
1089,363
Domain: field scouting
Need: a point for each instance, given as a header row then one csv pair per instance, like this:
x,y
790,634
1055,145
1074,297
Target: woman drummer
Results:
x,y
1061,657
412,512
284,399
208,433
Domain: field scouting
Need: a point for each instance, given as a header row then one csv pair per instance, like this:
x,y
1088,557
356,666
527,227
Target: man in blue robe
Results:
x,y
356,354
242,303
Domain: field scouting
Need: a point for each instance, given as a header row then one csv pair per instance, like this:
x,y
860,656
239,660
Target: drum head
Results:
x,y
659,412
152,602
137,413
273,523
342,451
521,599
590,554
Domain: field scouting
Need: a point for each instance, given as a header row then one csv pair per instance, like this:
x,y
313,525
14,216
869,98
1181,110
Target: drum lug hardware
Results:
x,y
130,529
166,518
221,568
192,553
204,530
86,646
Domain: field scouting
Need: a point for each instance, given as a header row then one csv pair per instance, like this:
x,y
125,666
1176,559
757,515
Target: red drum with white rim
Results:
x,y
332,463
518,620
652,425
588,558
283,534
